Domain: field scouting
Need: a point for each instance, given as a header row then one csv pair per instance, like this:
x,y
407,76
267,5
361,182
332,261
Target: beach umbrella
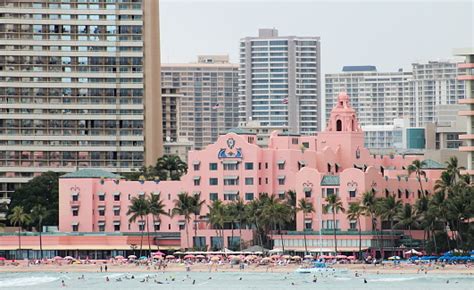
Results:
x,y
265,260
178,253
394,258
215,258
170,257
158,253
296,258
189,257
308,257
200,256
57,258
119,257
351,257
412,252
285,257
132,257
68,258
235,258
275,257
341,257
2,258
143,258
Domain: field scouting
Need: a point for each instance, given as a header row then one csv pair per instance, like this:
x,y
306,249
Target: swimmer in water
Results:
x,y
107,279
240,278
365,281
315,280
63,284
194,282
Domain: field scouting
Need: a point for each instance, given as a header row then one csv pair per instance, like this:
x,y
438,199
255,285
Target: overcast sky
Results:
x,y
388,34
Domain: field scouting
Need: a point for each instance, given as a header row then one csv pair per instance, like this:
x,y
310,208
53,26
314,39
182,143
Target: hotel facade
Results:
x,y
93,203
79,87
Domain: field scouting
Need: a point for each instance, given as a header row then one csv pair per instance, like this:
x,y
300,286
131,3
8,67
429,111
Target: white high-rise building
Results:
x,y
377,97
279,81
435,83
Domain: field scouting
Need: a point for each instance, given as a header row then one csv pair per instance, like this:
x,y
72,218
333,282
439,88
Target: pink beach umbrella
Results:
x,y
2,258
57,258
351,257
308,257
119,257
275,257
341,257
158,253
189,257
200,257
170,257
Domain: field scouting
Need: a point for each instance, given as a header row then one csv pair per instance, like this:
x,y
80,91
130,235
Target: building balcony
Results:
x,y
466,113
466,148
468,172
466,101
465,65
466,78
466,137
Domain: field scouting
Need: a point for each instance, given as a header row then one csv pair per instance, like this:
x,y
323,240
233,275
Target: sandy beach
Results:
x,y
202,267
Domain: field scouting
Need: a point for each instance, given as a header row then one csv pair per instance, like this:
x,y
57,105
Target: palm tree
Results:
x,y
183,206
407,218
38,214
19,218
138,208
417,167
269,213
421,206
305,207
354,213
291,200
253,213
371,206
389,209
173,165
196,205
240,215
453,168
217,218
157,209
334,204
283,214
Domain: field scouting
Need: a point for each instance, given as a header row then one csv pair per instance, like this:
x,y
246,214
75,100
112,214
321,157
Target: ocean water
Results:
x,y
236,280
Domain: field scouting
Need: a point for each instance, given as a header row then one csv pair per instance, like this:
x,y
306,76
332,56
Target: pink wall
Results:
x,y
283,158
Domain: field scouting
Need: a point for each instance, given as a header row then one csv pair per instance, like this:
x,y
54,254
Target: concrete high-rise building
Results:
x,y
209,102
468,78
79,87
377,97
280,83
435,83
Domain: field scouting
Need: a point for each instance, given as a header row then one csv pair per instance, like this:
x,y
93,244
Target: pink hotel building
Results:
x,y
334,161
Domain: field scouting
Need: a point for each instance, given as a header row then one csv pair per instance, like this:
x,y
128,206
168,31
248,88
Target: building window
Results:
x,y
231,166
281,180
197,181
307,193
102,197
75,211
266,165
213,181
157,227
266,180
281,195
196,166
248,180
352,193
352,225
212,166
101,211
75,228
308,225
281,165
117,211
230,196
117,227
181,227
116,197
75,197
141,227
329,191
213,196
231,181
305,144
248,165
294,141
249,196
102,227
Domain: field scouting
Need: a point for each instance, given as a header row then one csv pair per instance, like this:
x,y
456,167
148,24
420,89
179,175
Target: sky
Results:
x,y
387,34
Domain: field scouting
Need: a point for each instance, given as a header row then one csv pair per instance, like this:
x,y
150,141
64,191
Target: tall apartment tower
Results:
x,y
79,87
279,81
435,83
209,102
377,97
468,79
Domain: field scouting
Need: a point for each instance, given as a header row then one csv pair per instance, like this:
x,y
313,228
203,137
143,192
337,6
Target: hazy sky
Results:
x,y
388,34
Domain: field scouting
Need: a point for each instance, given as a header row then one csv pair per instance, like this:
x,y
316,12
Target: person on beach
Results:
x,y
101,268
63,284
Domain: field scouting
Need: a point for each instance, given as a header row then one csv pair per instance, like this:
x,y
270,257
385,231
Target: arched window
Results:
x,y
352,124
338,125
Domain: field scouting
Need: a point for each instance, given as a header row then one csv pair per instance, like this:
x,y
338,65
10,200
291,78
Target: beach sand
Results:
x,y
199,267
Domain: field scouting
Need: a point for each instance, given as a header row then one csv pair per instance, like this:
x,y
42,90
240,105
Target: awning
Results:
x,y
101,223
101,193
307,221
197,177
116,207
101,207
157,223
75,193
281,177
117,193
141,222
281,162
141,193
307,189
231,177
230,162
231,192
196,192
155,192
116,223
302,162
181,223
75,223
281,192
196,162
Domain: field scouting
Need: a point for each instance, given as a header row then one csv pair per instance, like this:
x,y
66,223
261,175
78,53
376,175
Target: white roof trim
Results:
x,y
231,177
230,162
